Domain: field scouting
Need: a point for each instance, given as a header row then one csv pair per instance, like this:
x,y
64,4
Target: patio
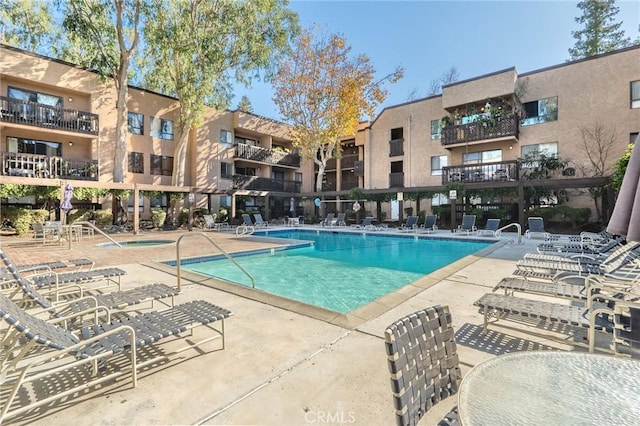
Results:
x,y
281,366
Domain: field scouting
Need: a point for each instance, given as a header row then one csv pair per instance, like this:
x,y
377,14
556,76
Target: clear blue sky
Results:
x,y
427,38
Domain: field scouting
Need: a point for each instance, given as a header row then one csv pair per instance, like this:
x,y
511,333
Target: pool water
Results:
x,y
341,271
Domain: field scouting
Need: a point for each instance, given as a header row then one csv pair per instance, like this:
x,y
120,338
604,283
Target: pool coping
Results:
x,y
350,320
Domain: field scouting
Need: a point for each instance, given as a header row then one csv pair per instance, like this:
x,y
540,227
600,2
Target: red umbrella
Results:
x,y
625,219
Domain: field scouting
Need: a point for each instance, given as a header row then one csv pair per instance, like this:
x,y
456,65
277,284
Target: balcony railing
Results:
x,y
265,184
348,184
396,147
266,156
42,166
480,130
396,180
500,171
348,161
46,116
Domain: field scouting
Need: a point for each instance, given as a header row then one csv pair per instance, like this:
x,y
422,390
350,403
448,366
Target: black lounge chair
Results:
x,y
65,351
411,225
423,362
430,223
468,224
491,227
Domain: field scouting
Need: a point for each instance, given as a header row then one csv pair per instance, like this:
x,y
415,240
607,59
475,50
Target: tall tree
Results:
x,y
450,76
108,31
601,33
323,91
245,104
196,46
28,24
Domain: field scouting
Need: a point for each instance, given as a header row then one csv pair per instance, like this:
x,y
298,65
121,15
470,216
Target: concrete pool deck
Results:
x,y
283,364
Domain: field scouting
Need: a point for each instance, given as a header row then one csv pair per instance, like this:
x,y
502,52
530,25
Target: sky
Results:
x,y
427,38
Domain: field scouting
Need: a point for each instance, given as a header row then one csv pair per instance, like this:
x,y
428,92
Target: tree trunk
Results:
x,y
120,152
180,158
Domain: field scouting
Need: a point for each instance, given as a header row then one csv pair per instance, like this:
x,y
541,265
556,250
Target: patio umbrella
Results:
x,y
66,199
625,219
292,206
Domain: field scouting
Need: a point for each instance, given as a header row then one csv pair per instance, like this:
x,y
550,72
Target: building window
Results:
x,y
34,146
532,152
540,111
298,177
435,129
437,163
397,133
635,94
135,123
159,202
37,97
226,138
27,110
226,170
225,201
633,137
439,200
493,156
161,165
136,163
130,204
161,128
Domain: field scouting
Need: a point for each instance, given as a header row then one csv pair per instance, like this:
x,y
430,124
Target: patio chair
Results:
x,y
69,361
46,234
366,224
430,223
423,361
328,221
210,221
110,276
259,222
247,227
340,220
410,225
468,224
490,228
536,228
587,244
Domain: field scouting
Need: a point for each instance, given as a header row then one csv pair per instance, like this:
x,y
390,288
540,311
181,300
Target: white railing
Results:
x,y
498,233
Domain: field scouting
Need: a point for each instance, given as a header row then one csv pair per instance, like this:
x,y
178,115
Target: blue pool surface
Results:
x,y
341,271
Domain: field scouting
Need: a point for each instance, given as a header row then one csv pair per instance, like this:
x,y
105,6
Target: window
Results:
x,y
225,201
531,152
159,202
135,122
161,165
540,111
439,199
136,163
33,146
635,94
29,111
298,177
226,139
633,137
30,96
161,128
397,133
493,156
246,141
437,163
130,204
245,171
435,129
226,170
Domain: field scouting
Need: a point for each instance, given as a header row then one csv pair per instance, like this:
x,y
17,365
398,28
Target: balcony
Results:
x,y
348,184
396,147
266,156
396,180
488,172
348,161
48,117
265,184
45,167
486,130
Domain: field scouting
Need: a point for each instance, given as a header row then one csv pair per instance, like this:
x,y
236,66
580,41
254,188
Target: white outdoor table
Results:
x,y
549,387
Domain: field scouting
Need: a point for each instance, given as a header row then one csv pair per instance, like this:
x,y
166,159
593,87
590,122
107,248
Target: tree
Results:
x,y
621,168
108,31
245,104
538,165
323,92
194,47
450,76
600,33
27,24
596,142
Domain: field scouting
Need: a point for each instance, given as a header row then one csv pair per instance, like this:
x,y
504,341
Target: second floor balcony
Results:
x,y
474,173
47,167
266,156
265,184
46,116
396,180
484,130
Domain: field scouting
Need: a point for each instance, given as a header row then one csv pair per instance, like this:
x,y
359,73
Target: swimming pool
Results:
x,y
340,271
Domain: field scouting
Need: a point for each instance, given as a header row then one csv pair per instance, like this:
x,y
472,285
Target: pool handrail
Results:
x,y
216,245
95,228
498,233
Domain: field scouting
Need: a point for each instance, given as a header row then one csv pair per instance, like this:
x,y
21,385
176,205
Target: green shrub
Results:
x,y
23,218
103,218
79,215
183,216
223,214
158,217
544,212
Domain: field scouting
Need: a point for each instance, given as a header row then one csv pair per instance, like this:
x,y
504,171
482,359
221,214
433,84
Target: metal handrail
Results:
x,y
243,230
517,225
95,228
216,245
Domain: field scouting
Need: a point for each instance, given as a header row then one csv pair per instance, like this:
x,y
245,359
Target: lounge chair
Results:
x,y
490,228
423,361
586,245
366,224
109,276
626,330
65,351
340,220
259,222
247,227
328,221
430,223
468,224
536,228
210,221
411,225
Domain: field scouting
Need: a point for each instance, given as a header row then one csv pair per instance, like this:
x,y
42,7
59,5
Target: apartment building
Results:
x,y
476,130
58,124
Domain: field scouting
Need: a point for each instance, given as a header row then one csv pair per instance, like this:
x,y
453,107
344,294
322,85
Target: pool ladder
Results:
x,y
216,245
498,233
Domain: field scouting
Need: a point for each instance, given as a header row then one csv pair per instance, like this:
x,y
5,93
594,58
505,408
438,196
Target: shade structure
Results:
x,y
625,219
66,198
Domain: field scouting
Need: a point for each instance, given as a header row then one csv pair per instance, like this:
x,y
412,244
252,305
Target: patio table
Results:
x,y
551,387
